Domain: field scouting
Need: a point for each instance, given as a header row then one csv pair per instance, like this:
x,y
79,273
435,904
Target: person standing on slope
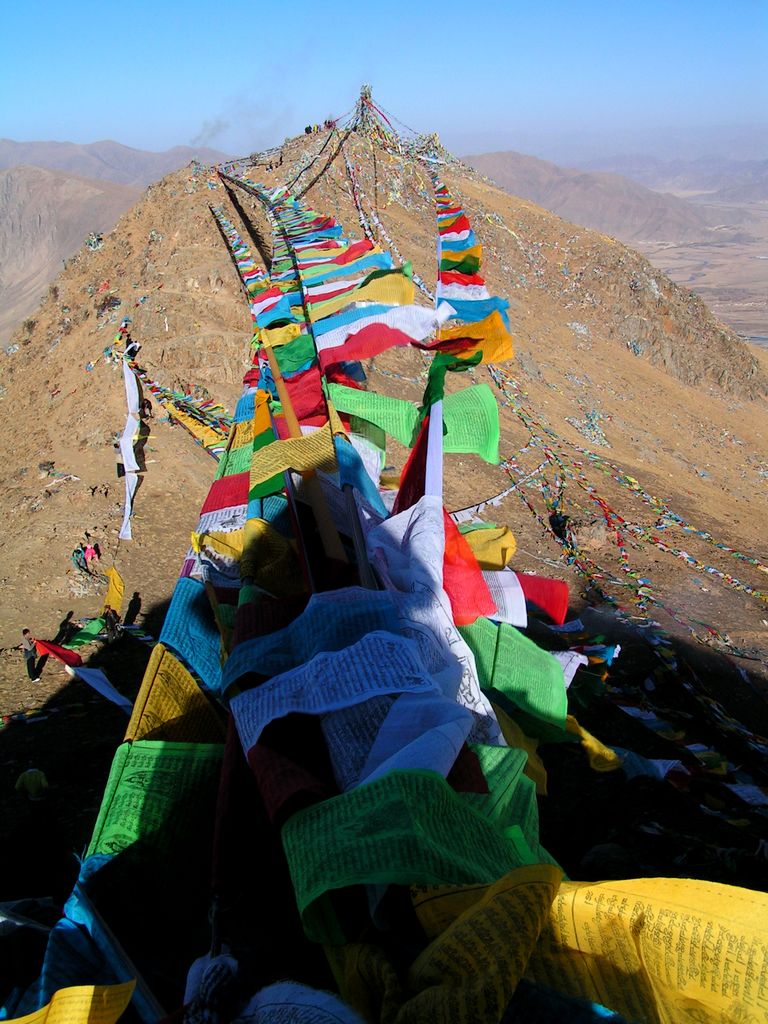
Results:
x,y
27,645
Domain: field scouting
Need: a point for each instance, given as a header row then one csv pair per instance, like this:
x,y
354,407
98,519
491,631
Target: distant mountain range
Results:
x,y
53,194
713,178
106,160
606,201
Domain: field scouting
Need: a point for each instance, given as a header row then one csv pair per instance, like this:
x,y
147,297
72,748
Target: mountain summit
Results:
x,y
382,726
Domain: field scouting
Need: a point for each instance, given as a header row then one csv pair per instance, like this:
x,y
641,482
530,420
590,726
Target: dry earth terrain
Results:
x,y
45,217
613,361
729,273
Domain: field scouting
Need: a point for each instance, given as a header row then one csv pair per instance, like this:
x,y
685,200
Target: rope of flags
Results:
x,y
545,439
338,727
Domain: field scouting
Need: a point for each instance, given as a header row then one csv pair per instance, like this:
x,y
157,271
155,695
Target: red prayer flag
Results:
x,y
306,393
551,596
71,658
452,277
366,343
226,492
462,578
460,224
353,252
413,477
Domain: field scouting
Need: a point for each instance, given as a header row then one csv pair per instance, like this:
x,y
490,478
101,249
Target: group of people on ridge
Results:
x,y
85,554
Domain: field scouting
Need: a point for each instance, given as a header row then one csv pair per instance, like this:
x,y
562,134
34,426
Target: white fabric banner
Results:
x,y
96,679
126,443
131,482
417,731
131,389
570,662
433,477
418,322
508,596
462,291
315,290
407,552
379,664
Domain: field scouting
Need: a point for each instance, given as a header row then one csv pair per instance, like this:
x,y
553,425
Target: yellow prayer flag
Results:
x,y
241,435
668,950
228,544
337,427
305,454
207,436
492,547
601,758
471,969
171,706
489,336
262,421
392,289
115,591
276,336
82,1004
269,560
515,737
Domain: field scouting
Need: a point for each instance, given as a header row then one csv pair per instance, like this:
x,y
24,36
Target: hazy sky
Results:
x,y
528,76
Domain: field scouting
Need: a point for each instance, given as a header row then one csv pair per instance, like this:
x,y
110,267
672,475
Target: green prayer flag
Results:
x,y
155,793
518,671
441,364
236,460
295,354
276,483
472,526
393,415
471,423
407,827
86,635
470,416
511,796
469,265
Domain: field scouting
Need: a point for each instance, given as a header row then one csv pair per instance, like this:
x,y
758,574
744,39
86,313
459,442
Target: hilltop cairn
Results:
x,y
325,804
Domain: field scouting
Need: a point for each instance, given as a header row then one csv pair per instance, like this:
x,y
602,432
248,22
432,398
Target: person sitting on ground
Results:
x,y
94,544
91,554
112,623
32,784
79,560
27,645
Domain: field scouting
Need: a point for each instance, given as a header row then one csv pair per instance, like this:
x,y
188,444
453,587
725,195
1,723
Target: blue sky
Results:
x,y
525,76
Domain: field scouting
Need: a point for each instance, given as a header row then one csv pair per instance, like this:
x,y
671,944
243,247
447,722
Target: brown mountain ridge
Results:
x,y
44,218
611,357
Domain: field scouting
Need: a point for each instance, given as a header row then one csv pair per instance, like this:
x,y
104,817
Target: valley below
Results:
x,y
729,272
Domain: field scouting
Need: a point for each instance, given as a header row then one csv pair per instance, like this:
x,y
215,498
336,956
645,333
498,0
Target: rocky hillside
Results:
x,y
611,358
44,217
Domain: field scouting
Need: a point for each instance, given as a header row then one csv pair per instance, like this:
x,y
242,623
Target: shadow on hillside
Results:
x,y
596,824
262,245
73,740
74,736
603,825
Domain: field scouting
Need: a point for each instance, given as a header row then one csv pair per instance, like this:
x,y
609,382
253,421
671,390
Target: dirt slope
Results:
x,y
606,347
44,218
